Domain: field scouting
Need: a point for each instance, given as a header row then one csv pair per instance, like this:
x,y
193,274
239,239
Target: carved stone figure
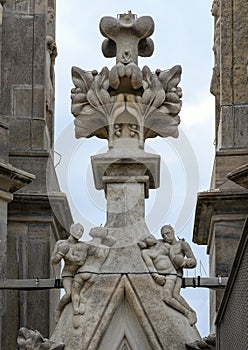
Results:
x,y
82,263
74,254
215,81
51,54
180,251
126,102
29,339
165,260
86,275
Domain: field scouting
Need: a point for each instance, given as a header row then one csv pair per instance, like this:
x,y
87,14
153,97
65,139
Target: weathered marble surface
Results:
x,y
145,299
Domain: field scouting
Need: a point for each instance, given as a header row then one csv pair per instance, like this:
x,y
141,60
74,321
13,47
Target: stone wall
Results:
x,y
220,213
39,214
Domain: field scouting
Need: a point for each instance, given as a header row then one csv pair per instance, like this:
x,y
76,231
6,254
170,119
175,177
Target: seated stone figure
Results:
x,y
165,260
74,254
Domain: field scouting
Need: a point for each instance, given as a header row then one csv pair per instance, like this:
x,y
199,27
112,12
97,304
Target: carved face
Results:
x,y
77,231
168,234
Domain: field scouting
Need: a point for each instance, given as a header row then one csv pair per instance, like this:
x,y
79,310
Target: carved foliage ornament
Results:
x,y
29,339
148,103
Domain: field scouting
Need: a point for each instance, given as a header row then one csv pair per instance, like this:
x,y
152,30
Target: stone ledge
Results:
x,y
102,162
53,201
12,179
239,176
216,203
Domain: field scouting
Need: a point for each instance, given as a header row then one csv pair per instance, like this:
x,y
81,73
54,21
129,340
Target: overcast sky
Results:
x,y
183,35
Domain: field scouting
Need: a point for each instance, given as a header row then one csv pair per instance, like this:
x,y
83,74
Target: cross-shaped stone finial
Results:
x,y
127,37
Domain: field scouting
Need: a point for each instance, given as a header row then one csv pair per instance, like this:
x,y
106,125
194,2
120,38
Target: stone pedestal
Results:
x,y
125,308
126,178
130,312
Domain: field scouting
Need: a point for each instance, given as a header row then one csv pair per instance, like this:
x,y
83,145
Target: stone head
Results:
x,y
168,233
215,8
76,231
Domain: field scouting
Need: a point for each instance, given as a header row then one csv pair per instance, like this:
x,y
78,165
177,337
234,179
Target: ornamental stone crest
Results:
x,y
126,102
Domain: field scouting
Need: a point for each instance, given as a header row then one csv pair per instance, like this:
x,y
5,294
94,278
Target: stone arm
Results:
x,y
58,253
190,261
60,250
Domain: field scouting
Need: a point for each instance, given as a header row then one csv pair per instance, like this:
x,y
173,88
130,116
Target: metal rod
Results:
x,y
51,283
205,282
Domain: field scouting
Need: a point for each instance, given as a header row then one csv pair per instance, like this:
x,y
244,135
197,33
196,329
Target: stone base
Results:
x,y
130,312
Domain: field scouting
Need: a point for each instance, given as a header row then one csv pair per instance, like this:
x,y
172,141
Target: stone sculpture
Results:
x,y
74,254
82,263
86,275
126,102
215,81
165,260
123,296
32,340
51,53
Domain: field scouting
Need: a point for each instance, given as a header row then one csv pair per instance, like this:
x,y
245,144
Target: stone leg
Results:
x,y
176,295
169,299
67,284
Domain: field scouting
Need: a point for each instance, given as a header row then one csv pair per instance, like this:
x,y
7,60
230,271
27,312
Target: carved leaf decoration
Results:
x,y
171,109
82,79
170,78
91,123
76,108
154,95
162,125
98,95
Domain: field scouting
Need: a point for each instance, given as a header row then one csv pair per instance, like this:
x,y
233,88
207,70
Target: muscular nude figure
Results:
x,y
165,260
74,254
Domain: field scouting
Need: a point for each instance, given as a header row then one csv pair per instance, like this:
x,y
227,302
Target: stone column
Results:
x,y
126,178
39,213
221,213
